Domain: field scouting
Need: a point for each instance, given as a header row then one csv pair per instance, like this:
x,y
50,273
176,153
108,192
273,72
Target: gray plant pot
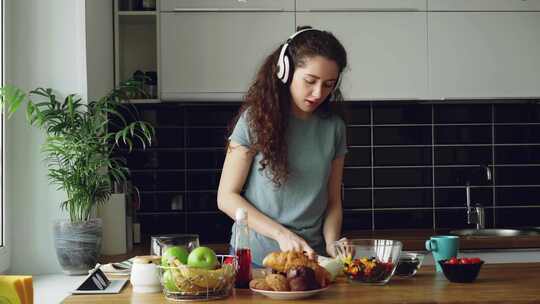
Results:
x,y
77,245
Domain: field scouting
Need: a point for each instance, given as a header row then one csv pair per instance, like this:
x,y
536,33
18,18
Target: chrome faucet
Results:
x,y
476,215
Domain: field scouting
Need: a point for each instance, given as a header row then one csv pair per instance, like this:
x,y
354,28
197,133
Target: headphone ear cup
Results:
x,y
337,84
281,69
286,69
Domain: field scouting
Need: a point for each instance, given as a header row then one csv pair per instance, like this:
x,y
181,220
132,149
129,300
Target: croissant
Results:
x,y
283,261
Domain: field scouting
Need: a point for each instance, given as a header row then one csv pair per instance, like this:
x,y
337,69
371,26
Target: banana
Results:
x,y
189,278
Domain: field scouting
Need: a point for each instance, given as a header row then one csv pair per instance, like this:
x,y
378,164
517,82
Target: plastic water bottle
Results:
x,y
242,249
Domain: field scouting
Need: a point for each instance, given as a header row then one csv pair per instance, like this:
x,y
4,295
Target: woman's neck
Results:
x,y
296,112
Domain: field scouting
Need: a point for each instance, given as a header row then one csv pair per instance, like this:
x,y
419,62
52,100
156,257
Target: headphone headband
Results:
x,y
284,62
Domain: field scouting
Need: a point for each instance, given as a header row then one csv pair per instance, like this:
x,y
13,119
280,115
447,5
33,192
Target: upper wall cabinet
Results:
x,y
484,5
225,5
387,51
484,54
361,5
135,40
212,51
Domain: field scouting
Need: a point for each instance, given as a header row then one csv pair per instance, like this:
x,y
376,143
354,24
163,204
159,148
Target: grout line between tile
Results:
x,y
433,166
372,170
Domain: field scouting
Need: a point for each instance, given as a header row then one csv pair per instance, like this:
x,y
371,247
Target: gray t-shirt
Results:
x,y
300,203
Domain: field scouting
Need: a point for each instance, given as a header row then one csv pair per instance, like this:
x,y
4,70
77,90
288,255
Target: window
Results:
x,y
4,257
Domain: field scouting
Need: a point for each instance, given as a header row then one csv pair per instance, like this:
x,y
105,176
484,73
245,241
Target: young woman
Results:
x,y
287,148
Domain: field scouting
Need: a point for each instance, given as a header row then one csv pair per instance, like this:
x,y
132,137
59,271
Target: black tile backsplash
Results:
x,y
403,198
517,217
522,134
402,177
404,219
462,113
397,114
453,218
402,135
359,136
518,196
407,166
358,157
455,197
462,155
396,156
517,155
461,134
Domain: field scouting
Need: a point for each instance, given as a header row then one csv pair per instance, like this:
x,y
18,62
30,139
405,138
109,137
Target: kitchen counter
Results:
x,y
412,240
497,283
415,239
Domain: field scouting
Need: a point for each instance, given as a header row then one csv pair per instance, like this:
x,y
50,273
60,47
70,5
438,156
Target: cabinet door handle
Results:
x,y
396,9
228,10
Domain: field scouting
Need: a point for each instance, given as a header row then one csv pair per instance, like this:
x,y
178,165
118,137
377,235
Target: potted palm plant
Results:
x,y
79,149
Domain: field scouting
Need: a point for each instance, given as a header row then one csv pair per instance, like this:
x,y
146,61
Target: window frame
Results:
x,y
4,249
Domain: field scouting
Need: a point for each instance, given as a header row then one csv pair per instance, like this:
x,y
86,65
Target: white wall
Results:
x,y
45,47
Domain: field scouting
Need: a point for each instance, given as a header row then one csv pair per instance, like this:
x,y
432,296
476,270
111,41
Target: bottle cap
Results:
x,y
241,214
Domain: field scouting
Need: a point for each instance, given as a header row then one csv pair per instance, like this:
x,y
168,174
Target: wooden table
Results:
x,y
497,283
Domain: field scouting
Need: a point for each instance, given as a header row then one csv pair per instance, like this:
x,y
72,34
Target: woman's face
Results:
x,y
311,84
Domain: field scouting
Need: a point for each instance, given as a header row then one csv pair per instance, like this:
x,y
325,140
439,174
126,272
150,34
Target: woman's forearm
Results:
x,y
332,223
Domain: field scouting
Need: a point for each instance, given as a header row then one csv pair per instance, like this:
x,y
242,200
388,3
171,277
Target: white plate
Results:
x,y
289,295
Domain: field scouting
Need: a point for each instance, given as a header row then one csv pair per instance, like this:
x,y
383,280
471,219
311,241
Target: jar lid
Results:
x,y
147,259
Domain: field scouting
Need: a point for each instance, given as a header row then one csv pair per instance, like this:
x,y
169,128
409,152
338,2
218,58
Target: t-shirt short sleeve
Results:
x,y
240,132
341,139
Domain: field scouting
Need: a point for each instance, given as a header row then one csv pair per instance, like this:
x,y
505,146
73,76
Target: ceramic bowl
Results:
x,y
461,273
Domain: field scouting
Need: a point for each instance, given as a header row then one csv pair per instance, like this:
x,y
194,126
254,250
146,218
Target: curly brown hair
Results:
x,y
268,100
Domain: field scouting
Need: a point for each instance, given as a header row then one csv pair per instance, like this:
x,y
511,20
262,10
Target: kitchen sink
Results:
x,y
495,232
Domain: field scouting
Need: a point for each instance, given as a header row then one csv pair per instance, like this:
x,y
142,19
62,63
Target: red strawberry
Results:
x,y
475,260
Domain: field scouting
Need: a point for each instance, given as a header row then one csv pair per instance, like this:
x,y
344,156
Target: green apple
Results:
x,y
202,257
168,281
172,252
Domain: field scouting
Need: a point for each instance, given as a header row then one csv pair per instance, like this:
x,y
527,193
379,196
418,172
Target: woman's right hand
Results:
x,y
288,240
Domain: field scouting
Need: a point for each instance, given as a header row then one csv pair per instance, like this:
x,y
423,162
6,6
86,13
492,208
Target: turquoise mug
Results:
x,y
443,247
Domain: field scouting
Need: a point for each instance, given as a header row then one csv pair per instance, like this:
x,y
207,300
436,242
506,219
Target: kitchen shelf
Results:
x,y
135,46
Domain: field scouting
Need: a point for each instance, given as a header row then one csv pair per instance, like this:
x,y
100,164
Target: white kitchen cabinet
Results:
x,y
387,52
360,5
484,5
484,54
214,55
225,5
135,40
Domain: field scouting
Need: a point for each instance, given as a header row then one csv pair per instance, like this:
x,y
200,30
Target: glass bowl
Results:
x,y
185,283
409,263
369,261
461,273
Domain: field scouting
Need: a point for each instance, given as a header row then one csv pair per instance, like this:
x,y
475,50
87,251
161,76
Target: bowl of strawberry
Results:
x,y
461,270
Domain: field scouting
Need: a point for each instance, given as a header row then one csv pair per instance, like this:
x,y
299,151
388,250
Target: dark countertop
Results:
x,y
415,239
412,239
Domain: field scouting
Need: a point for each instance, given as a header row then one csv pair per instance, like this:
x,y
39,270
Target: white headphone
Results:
x,y
284,61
